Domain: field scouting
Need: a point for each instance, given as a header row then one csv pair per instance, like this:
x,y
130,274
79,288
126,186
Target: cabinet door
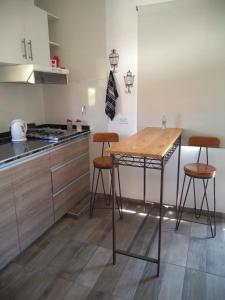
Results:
x,y
69,151
69,171
33,198
9,242
72,194
37,38
12,37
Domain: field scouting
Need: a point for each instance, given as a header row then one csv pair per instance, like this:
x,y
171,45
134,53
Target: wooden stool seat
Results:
x,y
199,170
103,162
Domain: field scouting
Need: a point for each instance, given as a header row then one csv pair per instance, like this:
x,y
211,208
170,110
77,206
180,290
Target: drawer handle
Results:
x,y
24,48
30,46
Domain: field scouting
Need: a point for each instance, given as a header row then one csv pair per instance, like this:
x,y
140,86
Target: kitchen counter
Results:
x,y
10,152
40,181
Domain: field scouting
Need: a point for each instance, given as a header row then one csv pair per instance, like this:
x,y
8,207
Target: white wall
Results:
x,y
20,101
122,34
182,66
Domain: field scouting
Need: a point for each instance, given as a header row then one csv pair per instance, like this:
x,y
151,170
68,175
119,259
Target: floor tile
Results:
x,y
197,254
194,287
172,283
215,287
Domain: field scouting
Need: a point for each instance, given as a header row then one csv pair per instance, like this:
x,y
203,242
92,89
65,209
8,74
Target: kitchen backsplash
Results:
x,y
21,101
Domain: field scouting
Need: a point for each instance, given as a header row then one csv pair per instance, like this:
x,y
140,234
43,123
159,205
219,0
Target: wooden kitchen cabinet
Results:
x,y
70,175
23,33
9,240
69,151
65,199
69,171
36,193
33,198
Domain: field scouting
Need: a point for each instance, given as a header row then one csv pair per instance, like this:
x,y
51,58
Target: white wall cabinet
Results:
x,y
36,35
23,33
12,37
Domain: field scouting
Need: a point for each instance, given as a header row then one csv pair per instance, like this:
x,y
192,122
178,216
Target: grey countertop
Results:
x,y
12,152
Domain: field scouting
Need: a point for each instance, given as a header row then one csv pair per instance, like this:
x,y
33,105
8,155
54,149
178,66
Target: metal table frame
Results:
x,y
145,163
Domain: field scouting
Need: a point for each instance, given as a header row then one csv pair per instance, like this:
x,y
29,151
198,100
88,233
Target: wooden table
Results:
x,y
150,148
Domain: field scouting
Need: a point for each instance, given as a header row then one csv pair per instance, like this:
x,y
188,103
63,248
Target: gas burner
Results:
x,y
46,133
51,134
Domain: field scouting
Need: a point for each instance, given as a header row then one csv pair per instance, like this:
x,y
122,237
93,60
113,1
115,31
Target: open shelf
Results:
x,y
52,17
54,44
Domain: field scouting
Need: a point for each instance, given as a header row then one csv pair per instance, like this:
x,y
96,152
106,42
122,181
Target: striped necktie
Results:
x,y
111,96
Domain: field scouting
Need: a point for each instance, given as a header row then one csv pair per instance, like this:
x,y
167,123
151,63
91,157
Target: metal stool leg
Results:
x,y
117,202
181,196
195,198
203,199
144,182
103,186
214,201
92,189
181,210
93,200
110,189
207,204
121,204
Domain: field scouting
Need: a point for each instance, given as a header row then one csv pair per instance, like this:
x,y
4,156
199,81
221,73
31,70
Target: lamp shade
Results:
x,y
129,80
114,59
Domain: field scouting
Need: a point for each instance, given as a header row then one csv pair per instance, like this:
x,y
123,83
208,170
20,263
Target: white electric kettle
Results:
x,y
18,130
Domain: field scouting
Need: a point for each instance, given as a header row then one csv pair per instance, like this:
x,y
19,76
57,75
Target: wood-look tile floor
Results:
x,y
73,260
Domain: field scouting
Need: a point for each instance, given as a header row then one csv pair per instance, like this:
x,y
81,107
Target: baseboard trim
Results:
x,y
220,215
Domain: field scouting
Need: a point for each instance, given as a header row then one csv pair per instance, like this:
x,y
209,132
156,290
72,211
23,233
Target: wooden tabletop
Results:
x,y
149,142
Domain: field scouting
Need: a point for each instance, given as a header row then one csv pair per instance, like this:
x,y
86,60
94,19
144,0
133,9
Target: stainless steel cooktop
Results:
x,y
50,134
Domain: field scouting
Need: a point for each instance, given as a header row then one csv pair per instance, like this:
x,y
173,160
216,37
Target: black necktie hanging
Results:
x,y
111,96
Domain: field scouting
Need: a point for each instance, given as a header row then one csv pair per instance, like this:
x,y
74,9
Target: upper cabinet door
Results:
x,y
24,35
12,37
37,37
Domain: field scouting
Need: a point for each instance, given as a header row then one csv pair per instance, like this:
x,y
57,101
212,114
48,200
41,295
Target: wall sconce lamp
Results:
x,y
129,80
114,59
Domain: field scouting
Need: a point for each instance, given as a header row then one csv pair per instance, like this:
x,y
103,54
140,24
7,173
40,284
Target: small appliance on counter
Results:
x,y
18,130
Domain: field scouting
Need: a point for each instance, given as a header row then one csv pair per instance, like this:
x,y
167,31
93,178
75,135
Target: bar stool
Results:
x,y
105,163
200,171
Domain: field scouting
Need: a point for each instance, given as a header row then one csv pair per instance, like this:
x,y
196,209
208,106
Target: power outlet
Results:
x,y
123,120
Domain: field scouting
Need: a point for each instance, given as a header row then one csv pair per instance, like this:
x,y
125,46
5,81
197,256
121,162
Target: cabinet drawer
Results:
x,y
71,170
29,171
72,194
69,151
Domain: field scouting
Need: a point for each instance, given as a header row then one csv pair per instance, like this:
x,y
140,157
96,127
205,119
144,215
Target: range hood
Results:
x,y
33,74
